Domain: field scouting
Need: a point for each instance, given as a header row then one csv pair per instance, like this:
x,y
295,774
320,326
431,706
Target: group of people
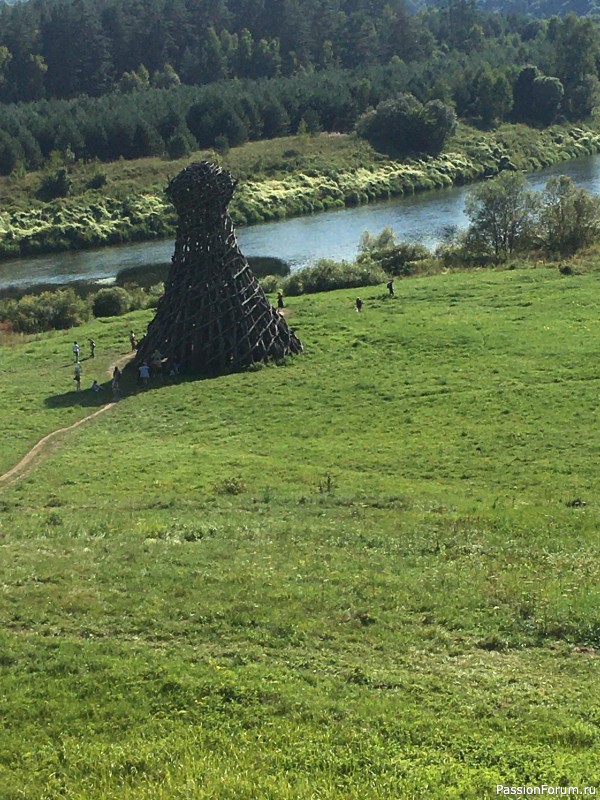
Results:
x,y
77,370
158,366
116,376
77,350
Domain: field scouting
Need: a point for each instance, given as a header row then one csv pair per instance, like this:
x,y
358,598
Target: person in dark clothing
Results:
x,y
359,304
390,287
280,303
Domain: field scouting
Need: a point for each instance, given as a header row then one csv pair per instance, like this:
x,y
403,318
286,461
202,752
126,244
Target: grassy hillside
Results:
x,y
278,178
371,572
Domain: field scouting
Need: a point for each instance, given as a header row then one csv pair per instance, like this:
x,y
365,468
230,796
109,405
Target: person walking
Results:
x,y
116,383
133,341
92,348
390,287
359,304
77,375
75,349
280,303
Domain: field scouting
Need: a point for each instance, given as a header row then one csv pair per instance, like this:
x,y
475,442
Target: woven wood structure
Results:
x,y
214,316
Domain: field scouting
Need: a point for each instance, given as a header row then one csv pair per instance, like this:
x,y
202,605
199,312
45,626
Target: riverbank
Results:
x,y
281,178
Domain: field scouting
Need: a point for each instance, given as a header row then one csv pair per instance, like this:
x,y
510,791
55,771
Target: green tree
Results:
x,y
437,122
537,97
181,143
493,95
502,214
10,153
5,58
404,125
576,47
166,78
135,81
213,60
569,217
546,98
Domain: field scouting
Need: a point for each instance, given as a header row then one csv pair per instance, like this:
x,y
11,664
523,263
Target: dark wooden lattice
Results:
x,y
214,316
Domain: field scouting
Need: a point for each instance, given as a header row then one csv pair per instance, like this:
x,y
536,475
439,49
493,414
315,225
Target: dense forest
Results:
x,y
111,79
533,8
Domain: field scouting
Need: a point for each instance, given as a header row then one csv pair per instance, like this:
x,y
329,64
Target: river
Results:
x,y
424,218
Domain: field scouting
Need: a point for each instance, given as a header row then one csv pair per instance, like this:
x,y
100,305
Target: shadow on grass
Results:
x,y
129,385
84,398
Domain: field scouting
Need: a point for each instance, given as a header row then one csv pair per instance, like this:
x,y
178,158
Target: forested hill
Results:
x,y
541,9
66,48
63,48
84,79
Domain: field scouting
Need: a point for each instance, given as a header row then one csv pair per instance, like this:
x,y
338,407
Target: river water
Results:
x,y
424,218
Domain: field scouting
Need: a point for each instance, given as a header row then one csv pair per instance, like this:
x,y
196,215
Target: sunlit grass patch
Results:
x,y
371,572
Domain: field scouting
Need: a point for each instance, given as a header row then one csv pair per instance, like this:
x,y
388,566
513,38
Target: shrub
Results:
x,y
403,125
97,181
397,259
57,184
46,311
327,275
270,283
370,242
111,302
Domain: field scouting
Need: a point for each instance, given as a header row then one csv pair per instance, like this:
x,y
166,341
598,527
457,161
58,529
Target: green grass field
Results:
x,y
371,572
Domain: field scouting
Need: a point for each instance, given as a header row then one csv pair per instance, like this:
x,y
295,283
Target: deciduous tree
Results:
x,y
502,215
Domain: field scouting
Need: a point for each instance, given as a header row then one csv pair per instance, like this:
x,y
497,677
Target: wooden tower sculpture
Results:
x,y
214,316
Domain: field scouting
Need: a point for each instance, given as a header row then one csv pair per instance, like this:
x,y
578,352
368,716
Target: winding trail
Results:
x,y
31,459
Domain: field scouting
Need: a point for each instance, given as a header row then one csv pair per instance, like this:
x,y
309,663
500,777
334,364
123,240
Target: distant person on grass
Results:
x,y
359,304
116,383
77,375
390,287
75,349
157,362
280,303
92,348
132,341
144,371
96,387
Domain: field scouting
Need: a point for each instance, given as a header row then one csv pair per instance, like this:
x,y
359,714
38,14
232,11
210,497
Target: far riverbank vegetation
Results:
x,y
311,112
509,224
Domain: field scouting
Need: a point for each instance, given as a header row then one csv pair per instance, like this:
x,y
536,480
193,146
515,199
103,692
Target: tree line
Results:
x,y
111,80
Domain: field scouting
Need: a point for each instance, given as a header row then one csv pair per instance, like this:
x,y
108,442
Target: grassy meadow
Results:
x,y
369,572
